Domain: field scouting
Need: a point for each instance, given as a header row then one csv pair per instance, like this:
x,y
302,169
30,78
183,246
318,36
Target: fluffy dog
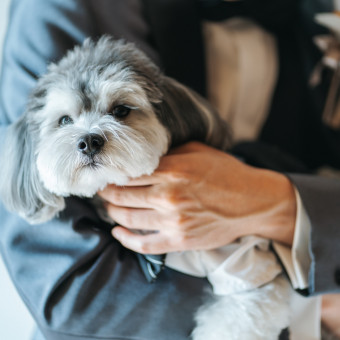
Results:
x,y
105,114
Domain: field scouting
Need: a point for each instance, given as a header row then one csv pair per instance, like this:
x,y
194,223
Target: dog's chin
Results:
x,y
91,179
94,175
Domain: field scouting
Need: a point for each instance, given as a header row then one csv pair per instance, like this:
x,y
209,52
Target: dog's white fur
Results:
x,y
42,163
257,314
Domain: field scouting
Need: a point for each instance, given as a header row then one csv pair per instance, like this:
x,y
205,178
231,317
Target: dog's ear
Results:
x,y
20,187
188,116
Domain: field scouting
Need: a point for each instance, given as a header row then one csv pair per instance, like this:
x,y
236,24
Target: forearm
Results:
x,y
278,221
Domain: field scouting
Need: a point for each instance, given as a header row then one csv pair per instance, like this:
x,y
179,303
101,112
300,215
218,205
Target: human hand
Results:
x,y
201,198
330,313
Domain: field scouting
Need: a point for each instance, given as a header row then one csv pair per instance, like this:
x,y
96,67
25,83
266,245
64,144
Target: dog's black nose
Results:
x,y
90,144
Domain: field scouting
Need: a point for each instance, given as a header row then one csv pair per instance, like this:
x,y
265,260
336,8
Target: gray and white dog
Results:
x,y
105,114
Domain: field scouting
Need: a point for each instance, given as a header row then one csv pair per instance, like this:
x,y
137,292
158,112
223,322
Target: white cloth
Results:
x,y
241,72
297,259
245,265
240,266
305,318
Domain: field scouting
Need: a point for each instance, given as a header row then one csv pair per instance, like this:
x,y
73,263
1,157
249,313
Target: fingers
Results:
x,y
142,219
144,180
169,202
154,243
132,197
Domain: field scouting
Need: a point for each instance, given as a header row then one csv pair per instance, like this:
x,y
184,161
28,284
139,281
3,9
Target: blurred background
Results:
x,y
15,321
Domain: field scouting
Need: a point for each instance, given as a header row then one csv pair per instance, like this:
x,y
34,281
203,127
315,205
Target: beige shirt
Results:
x,y
242,68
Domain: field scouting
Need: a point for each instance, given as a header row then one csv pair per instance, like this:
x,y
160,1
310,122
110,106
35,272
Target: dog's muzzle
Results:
x,y
90,144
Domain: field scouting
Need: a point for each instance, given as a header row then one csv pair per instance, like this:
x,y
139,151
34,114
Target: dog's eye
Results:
x,y
65,120
121,111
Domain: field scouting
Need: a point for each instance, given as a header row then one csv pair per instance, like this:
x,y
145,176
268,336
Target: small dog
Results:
x,y
105,114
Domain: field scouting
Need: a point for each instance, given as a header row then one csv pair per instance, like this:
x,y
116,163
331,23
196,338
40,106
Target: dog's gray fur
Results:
x,y
41,163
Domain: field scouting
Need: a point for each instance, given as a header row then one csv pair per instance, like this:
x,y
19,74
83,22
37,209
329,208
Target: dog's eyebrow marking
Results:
x,y
37,107
84,90
36,101
41,93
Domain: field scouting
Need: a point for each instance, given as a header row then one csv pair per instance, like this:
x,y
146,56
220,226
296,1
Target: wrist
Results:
x,y
281,225
275,219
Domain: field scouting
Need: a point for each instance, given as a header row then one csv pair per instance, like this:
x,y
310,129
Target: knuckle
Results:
x,y
116,197
144,248
177,174
180,240
180,220
173,173
172,197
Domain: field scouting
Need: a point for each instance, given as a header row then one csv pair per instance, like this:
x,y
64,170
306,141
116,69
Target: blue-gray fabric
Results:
x,y
75,279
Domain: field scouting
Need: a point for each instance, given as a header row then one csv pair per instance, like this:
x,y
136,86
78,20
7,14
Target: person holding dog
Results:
x,y
89,280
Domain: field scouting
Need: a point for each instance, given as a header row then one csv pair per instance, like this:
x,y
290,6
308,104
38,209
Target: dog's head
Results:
x,y
102,115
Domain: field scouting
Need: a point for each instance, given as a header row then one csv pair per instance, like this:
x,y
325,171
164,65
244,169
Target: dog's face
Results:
x,y
102,115
97,126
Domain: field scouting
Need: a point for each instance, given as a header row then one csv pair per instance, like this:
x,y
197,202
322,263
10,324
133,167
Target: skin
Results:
x,y
330,312
201,198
